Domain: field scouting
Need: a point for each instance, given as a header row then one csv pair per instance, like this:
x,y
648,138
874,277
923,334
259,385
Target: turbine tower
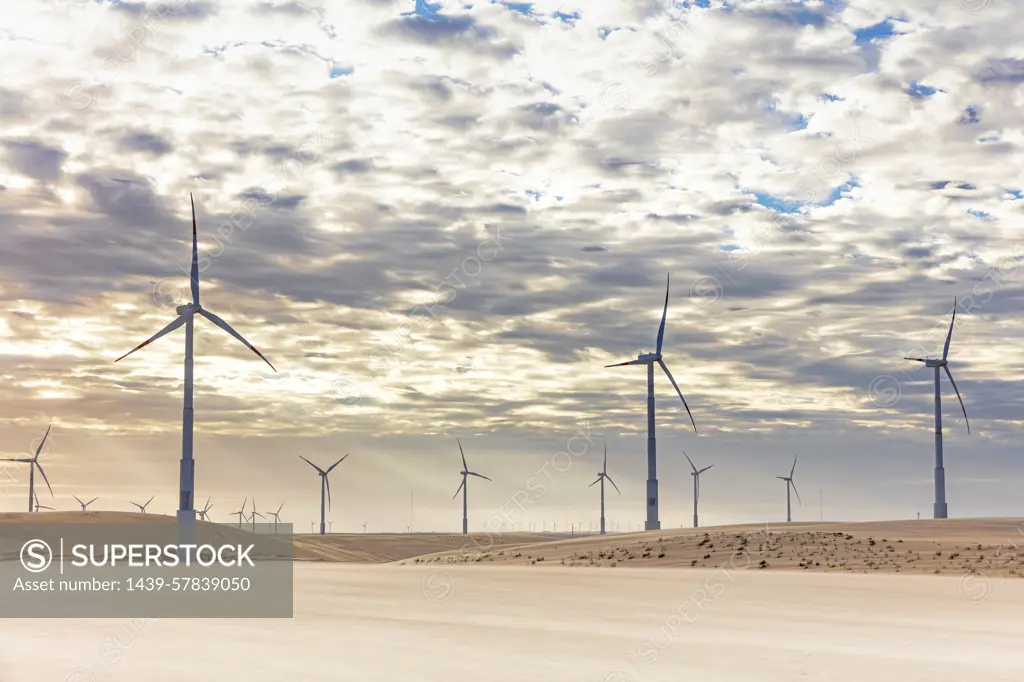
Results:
x,y
186,315
790,483
940,510
205,511
653,522
33,464
696,486
142,507
325,485
277,517
39,506
255,514
465,489
241,513
603,474
84,504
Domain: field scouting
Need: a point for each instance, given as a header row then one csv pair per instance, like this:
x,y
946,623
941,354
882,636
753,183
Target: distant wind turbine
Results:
x,y
330,526
325,487
364,527
940,509
186,314
39,506
790,483
241,513
277,516
696,486
85,504
653,522
603,474
205,511
33,464
255,514
465,489
142,507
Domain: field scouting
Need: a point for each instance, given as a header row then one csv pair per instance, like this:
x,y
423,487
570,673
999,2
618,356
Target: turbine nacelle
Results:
x,y
188,308
930,362
648,358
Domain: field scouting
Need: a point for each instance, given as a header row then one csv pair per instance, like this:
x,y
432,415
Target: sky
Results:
x,y
441,221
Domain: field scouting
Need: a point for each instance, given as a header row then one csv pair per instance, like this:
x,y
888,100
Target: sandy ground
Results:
x,y
466,622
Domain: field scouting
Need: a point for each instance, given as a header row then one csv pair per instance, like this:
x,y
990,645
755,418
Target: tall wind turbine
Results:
x,y
940,510
39,506
277,517
205,511
142,507
790,483
33,464
85,504
603,474
465,489
325,485
255,514
653,522
186,314
696,486
241,513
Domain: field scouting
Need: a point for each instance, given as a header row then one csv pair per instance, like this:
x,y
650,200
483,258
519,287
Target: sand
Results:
x,y
466,622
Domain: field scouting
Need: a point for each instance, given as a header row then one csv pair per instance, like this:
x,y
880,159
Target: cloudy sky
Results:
x,y
442,221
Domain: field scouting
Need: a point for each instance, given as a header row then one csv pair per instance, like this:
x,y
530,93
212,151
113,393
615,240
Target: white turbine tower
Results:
x,y
240,513
84,504
653,522
186,314
696,486
205,511
33,464
255,514
790,483
603,474
277,517
142,507
39,506
465,489
325,485
940,510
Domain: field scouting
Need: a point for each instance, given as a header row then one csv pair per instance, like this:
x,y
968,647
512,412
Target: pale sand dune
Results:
x,y
510,623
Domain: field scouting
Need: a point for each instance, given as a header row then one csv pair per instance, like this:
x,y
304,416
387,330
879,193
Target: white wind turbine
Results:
x,y
240,513
465,489
790,483
603,474
205,511
39,506
940,510
653,522
142,507
325,486
277,517
255,514
33,464
696,486
186,314
84,504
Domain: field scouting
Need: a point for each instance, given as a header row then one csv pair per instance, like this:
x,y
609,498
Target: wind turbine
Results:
x,y
325,485
39,506
240,513
205,511
142,507
465,489
940,510
186,316
33,464
85,504
789,482
255,514
277,516
330,525
364,528
696,485
603,474
653,523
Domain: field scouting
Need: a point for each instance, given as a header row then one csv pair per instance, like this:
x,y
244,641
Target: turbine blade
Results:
x,y
91,501
950,375
916,359
623,364
76,498
194,277
605,468
227,327
327,480
676,386
594,483
613,484
473,473
307,462
794,466
37,465
166,330
465,467
664,314
705,469
149,500
17,459
336,464
43,441
797,492
690,461
949,336
279,509
459,488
